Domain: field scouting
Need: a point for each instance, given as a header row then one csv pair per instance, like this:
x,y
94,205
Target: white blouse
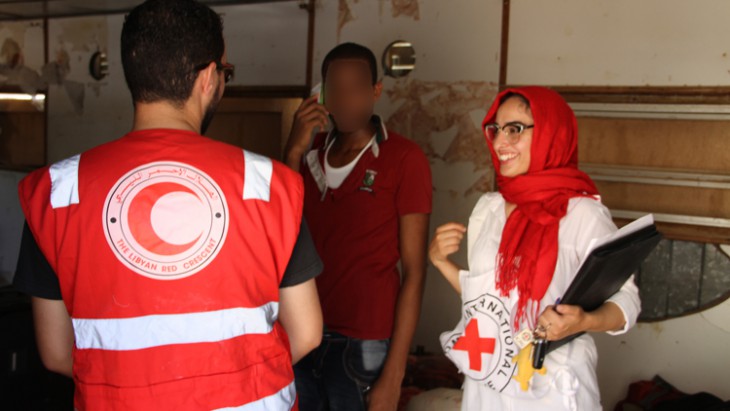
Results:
x,y
570,381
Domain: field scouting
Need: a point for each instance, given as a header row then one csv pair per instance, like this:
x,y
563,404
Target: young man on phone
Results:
x,y
367,201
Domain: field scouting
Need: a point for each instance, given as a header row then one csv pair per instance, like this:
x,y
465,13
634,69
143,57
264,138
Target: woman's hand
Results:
x,y
446,241
562,320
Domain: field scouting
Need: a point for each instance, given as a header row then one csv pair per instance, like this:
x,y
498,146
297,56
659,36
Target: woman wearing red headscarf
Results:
x,y
525,244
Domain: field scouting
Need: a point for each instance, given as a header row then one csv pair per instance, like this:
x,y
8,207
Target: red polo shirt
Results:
x,y
355,230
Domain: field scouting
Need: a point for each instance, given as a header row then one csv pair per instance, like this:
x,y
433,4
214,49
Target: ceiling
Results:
x,y
38,9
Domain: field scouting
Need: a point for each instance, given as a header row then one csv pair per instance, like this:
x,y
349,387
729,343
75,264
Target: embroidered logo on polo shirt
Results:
x,y
165,220
485,348
369,179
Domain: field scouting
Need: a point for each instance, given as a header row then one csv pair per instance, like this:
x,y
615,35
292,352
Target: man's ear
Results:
x,y
378,90
207,81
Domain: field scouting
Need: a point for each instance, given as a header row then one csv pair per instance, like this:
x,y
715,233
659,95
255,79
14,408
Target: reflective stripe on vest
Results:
x,y
65,182
156,330
257,180
282,400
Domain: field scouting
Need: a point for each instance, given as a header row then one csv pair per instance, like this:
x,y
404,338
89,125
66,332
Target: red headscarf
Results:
x,y
528,250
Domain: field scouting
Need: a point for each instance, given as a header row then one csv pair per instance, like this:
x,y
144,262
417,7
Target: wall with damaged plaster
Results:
x,y
22,54
557,42
83,112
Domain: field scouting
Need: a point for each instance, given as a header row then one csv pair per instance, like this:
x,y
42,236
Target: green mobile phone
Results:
x,y
318,89
320,99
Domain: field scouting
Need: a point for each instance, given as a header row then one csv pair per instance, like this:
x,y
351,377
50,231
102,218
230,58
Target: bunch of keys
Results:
x,y
538,352
539,343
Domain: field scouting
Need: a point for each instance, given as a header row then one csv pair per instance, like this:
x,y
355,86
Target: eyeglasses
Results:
x,y
512,131
227,69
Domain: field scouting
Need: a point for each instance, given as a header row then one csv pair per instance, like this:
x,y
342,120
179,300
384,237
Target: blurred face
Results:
x,y
350,95
514,157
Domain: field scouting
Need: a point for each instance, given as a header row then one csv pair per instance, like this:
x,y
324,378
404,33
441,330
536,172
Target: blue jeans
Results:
x,y
337,375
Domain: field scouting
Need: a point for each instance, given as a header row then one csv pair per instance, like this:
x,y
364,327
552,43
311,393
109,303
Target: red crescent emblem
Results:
x,y
165,220
140,219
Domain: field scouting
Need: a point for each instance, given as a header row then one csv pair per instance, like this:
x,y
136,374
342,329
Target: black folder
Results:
x,y
606,269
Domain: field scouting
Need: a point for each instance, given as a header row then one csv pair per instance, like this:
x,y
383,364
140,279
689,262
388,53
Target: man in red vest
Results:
x,y
170,271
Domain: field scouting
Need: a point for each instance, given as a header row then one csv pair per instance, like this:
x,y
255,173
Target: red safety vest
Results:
x,y
169,249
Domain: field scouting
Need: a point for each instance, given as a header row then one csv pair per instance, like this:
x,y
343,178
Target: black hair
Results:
x,y
517,95
351,51
165,43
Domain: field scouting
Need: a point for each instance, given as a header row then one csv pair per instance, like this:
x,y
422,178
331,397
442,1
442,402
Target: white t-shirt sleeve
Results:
x,y
627,300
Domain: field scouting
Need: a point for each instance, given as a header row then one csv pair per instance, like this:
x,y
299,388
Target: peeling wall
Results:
x,y
21,54
406,8
266,42
83,112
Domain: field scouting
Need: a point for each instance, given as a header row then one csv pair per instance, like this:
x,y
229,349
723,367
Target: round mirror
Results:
x,y
399,59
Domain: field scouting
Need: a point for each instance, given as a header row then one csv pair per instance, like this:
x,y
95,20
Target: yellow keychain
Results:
x,y
525,370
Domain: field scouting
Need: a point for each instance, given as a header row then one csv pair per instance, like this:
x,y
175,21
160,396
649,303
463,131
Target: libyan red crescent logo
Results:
x,y
165,220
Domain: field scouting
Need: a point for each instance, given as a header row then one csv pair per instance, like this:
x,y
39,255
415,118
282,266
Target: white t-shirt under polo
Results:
x,y
336,175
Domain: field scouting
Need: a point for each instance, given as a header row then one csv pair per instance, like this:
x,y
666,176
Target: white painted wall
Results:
x,y
267,43
690,353
619,42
